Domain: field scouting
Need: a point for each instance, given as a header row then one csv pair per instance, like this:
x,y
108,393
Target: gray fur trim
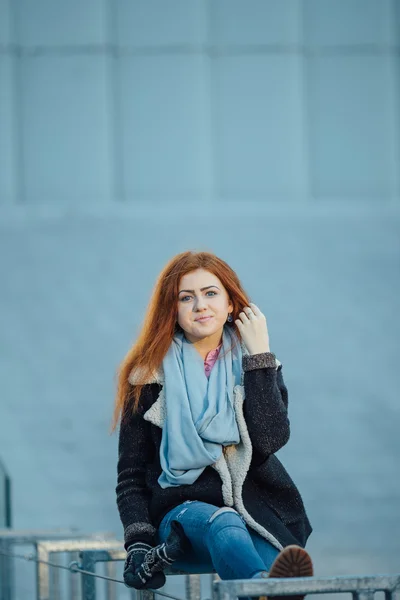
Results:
x,y
259,361
238,458
139,528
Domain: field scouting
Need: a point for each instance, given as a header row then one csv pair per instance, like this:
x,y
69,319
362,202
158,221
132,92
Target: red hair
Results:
x,y
160,323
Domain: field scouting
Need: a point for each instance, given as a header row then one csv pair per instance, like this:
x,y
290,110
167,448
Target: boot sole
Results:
x,y
293,561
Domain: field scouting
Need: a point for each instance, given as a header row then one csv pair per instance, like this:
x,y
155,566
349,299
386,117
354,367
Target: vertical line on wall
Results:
x,y
116,157
17,113
307,164
210,91
392,21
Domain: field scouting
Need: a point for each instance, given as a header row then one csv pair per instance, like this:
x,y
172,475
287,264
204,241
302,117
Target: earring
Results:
x,y
230,318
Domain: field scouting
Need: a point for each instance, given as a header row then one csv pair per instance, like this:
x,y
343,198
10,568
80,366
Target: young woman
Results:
x,y
203,410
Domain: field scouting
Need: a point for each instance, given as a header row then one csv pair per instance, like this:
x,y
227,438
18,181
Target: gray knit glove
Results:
x,y
144,565
134,560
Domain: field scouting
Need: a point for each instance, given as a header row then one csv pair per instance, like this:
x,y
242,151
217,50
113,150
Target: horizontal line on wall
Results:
x,y
303,209
195,49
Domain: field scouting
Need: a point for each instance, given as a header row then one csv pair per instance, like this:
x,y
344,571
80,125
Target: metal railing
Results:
x,y
90,552
47,552
87,553
87,567
361,587
10,539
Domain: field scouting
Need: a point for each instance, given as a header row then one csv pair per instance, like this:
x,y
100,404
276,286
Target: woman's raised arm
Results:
x,y
266,405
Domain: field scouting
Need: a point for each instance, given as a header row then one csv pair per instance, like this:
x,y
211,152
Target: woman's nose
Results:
x,y
200,303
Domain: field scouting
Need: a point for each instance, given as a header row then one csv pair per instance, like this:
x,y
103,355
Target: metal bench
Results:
x,y
89,559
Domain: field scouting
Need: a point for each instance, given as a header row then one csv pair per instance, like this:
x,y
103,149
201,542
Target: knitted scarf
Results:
x,y
200,414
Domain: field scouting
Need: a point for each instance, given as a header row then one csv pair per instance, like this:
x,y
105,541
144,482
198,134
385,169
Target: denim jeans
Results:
x,y
220,541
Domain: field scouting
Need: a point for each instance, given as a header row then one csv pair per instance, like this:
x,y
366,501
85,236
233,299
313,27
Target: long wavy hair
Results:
x,y
160,324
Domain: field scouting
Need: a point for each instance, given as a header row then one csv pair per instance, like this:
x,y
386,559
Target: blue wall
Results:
x,y
265,131
267,100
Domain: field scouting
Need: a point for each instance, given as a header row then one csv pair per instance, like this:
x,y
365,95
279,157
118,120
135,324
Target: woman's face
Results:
x,y
201,294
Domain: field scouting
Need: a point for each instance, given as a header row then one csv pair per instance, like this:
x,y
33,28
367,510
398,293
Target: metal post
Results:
x,y
88,563
5,497
73,579
8,499
193,587
55,590
6,571
42,573
214,577
144,595
367,595
111,571
6,563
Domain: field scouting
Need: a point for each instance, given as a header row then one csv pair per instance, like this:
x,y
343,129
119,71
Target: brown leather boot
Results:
x,y
292,561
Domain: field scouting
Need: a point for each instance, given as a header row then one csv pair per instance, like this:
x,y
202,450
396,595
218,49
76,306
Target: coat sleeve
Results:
x,y
266,405
134,454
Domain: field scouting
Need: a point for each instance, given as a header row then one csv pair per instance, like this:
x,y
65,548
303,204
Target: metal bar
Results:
x,y
8,501
73,579
2,569
367,595
6,571
80,545
5,497
222,592
144,595
54,586
193,587
88,563
361,587
111,571
42,573
214,577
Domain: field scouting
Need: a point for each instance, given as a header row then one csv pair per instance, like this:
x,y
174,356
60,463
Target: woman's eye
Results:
x,y
209,292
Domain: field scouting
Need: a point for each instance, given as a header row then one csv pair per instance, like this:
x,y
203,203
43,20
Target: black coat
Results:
x,y
248,476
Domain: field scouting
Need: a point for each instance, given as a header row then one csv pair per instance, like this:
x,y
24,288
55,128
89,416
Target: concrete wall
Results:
x,y
266,101
265,131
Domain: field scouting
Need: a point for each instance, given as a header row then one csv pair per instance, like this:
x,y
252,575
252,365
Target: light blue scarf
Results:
x,y
200,414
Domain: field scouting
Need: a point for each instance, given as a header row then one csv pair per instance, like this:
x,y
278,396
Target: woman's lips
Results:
x,y
203,320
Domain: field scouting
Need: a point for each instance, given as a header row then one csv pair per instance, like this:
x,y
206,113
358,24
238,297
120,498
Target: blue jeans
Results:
x,y
220,541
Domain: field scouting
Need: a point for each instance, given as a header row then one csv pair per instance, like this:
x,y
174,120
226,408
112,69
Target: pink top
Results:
x,y
210,359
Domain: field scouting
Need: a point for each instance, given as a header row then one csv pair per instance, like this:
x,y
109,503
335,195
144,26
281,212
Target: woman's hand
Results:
x,y
144,565
133,569
252,326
